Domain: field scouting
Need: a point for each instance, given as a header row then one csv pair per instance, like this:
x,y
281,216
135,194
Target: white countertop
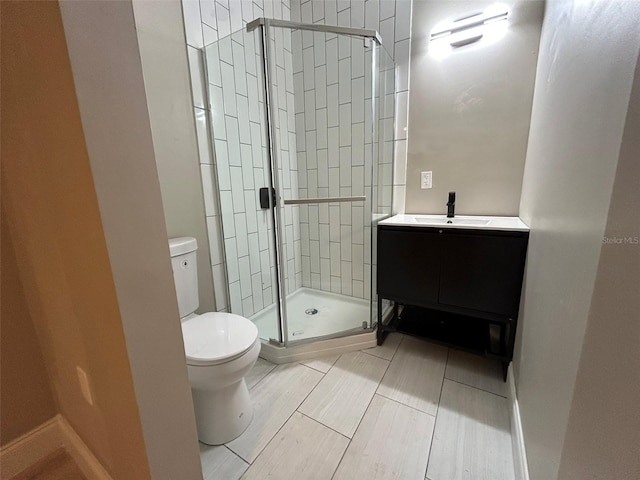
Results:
x,y
478,222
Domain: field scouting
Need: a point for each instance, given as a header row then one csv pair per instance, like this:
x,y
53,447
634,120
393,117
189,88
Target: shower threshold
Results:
x,y
315,314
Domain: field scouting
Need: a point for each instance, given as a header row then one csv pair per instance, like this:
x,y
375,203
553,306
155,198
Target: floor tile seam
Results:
x,y
402,337
283,424
370,400
324,425
404,404
267,444
264,376
364,350
238,456
356,429
341,458
361,419
275,367
390,361
435,424
312,368
375,356
330,368
477,388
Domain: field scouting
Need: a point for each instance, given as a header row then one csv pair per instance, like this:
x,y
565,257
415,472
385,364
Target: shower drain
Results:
x,y
311,311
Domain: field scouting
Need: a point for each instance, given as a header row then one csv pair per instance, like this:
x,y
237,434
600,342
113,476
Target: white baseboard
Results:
x,y
23,452
43,440
517,437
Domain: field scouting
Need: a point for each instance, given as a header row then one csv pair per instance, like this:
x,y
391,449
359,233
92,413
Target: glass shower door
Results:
x,y
382,186
239,129
321,84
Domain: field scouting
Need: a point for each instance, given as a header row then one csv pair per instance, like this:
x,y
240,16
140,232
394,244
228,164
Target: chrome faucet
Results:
x,y
451,205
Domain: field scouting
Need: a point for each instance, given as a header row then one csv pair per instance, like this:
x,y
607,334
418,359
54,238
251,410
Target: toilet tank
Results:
x,y
185,273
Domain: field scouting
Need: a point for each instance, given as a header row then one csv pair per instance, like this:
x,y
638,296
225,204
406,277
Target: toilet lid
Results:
x,y
214,337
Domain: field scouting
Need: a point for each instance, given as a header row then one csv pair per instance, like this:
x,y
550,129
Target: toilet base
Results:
x,y
222,415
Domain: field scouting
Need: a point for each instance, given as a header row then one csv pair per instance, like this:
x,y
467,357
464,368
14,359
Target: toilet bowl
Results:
x,y
220,349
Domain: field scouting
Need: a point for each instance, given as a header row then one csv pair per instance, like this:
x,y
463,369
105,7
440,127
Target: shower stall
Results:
x,y
302,128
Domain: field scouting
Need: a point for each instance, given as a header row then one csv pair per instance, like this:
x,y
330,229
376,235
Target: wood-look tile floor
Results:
x,y
405,410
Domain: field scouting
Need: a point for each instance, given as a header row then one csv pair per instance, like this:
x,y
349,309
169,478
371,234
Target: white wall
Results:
x,y
107,71
168,89
603,434
584,77
469,111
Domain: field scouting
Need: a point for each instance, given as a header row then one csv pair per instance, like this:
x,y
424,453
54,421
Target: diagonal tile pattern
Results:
x,y
322,364
472,437
220,462
481,373
388,349
415,375
343,395
391,440
275,399
260,370
303,448
332,422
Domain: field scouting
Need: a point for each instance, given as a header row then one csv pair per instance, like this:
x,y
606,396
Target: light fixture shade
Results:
x,y
469,28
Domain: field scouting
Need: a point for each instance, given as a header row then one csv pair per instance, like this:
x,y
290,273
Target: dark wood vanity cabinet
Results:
x,y
458,287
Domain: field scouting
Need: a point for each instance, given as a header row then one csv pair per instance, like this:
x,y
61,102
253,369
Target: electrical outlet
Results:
x,y
426,180
83,379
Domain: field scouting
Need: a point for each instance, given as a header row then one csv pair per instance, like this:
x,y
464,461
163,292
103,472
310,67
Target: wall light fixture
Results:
x,y
489,25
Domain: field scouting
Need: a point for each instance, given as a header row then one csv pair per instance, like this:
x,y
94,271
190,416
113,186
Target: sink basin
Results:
x,y
444,221
513,224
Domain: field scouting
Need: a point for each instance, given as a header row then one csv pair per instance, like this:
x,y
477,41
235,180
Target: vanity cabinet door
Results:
x,y
408,265
483,272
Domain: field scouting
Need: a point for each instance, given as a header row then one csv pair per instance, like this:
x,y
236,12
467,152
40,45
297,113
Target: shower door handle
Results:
x,y
307,201
264,197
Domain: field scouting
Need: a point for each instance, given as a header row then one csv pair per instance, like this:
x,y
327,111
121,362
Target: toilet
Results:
x,y
220,350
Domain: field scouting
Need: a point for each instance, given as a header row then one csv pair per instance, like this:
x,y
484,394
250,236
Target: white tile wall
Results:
x,y
234,168
332,84
322,87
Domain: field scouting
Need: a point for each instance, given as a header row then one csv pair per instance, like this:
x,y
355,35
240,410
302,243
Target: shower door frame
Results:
x,y
265,25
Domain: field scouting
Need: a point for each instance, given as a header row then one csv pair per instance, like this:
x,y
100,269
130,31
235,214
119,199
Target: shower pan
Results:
x,y
301,119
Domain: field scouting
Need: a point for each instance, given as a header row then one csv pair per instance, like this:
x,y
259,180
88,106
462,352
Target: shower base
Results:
x,y
314,314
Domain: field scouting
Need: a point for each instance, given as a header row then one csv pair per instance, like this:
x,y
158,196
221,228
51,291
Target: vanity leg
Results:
x,y
505,369
380,333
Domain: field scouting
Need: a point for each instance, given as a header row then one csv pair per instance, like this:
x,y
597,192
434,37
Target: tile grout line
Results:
x,y
284,423
404,404
275,365
296,410
326,426
238,456
477,388
435,424
324,373
361,418
383,358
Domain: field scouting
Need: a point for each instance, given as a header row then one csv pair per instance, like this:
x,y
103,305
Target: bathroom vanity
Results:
x,y
454,281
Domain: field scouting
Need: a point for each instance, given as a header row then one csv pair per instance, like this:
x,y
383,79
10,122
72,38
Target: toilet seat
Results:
x,y
214,338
